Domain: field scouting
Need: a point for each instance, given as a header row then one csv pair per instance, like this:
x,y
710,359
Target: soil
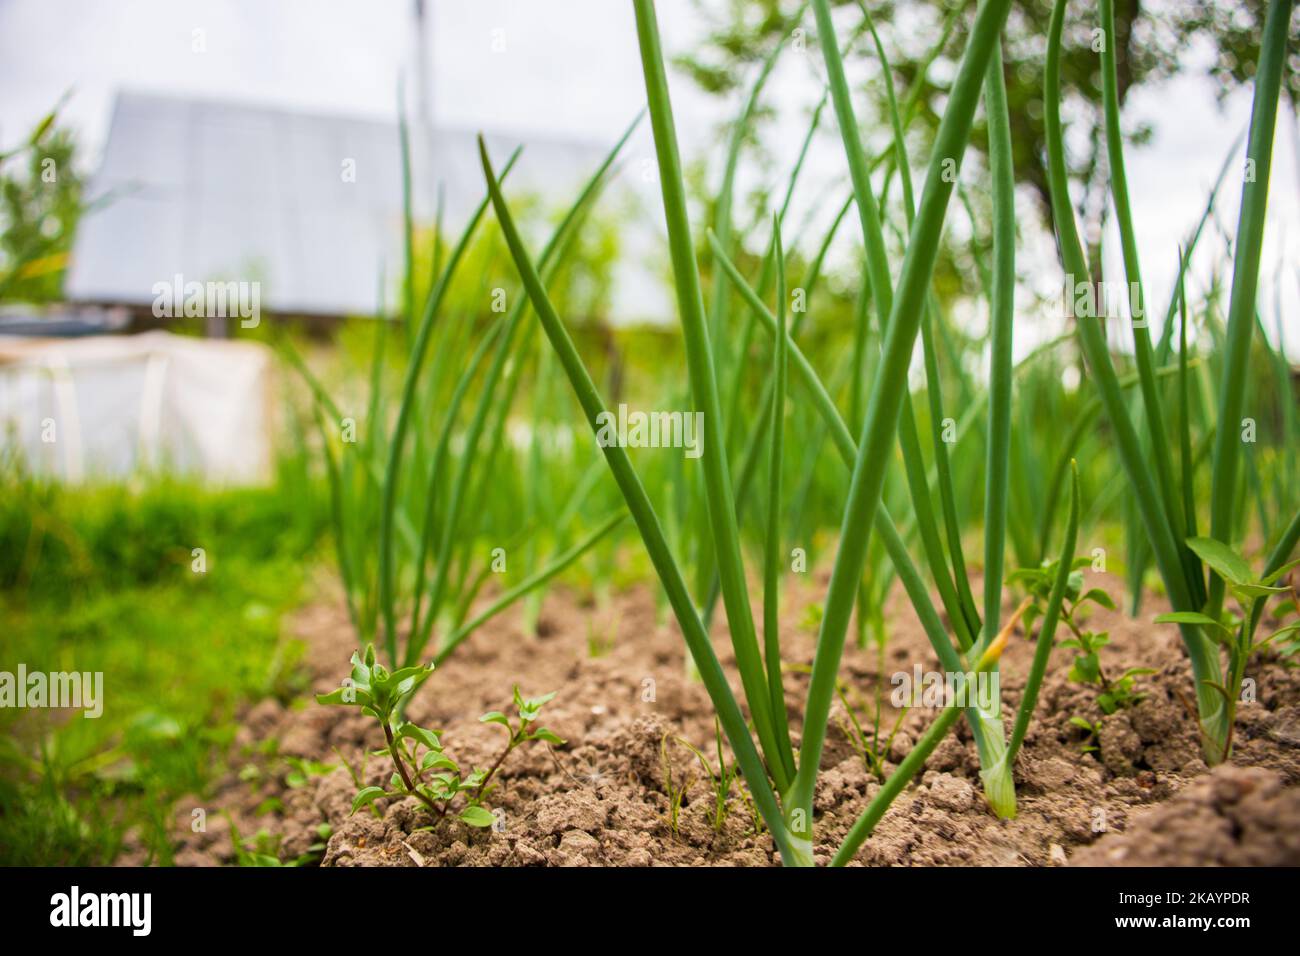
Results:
x,y
1143,797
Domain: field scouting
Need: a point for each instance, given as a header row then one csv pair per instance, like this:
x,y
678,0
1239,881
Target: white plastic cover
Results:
x,y
109,406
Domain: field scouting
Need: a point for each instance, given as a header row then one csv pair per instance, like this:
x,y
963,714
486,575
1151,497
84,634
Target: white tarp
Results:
x,y
109,406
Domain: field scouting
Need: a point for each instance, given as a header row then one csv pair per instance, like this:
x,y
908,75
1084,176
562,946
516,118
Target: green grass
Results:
x,y
110,589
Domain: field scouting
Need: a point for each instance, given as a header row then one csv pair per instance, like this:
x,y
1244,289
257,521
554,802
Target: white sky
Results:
x,y
568,67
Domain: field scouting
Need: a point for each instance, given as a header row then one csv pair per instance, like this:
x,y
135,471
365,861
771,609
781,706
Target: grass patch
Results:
x,y
103,580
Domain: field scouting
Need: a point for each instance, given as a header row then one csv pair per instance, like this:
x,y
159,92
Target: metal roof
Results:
x,y
217,191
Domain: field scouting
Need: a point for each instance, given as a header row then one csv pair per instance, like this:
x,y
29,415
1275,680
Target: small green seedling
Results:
x,y
1114,692
1236,632
1289,647
600,638
721,782
1093,729
263,848
870,747
301,770
676,794
424,770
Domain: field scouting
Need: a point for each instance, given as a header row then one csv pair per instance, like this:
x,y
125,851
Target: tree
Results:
x,y
40,204
1153,41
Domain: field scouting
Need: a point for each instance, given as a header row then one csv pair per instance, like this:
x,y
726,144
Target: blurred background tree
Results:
x,y
1157,40
41,201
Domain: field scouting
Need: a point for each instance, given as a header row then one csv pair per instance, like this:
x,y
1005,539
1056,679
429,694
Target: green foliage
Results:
x,y
41,201
1251,591
1166,508
767,766
1092,731
1113,692
1288,646
871,747
262,849
59,543
99,578
676,793
721,782
1152,40
421,474
422,767
415,531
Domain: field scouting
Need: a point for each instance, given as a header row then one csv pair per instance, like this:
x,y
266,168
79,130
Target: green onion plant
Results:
x,y
413,534
1165,502
781,779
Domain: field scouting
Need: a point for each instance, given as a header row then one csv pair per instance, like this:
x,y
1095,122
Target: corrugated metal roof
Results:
x,y
218,191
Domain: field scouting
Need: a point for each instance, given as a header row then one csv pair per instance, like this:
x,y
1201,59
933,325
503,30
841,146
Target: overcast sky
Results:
x,y
566,67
